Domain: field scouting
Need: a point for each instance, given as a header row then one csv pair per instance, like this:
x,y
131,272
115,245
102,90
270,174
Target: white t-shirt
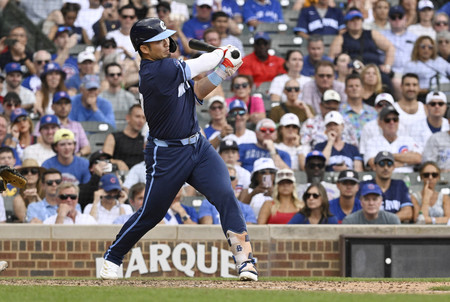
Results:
x,y
79,219
26,95
420,132
277,85
108,216
243,176
407,119
38,152
420,30
122,40
87,17
257,202
2,210
294,152
249,137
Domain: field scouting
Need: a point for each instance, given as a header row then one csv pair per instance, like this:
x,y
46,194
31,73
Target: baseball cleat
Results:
x,y
3,265
247,271
109,271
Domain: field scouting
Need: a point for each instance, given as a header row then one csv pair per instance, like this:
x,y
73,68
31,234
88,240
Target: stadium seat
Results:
x,y
97,140
92,127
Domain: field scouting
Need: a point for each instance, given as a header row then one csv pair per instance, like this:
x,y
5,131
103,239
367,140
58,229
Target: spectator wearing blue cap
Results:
x,y
261,11
109,201
42,150
13,81
237,117
262,66
88,106
319,18
52,79
21,131
371,201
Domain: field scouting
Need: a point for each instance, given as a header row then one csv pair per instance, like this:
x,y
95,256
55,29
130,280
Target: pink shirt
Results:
x,y
256,104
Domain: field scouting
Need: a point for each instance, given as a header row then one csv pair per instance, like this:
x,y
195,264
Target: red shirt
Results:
x,y
281,218
262,71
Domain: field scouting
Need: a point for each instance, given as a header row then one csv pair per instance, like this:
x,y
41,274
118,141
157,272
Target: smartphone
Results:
x,y
108,168
267,181
10,42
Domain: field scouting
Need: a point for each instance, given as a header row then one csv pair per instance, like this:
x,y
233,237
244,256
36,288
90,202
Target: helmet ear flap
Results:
x,y
173,45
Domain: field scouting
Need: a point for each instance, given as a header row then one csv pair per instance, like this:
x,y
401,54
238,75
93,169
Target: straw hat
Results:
x,y
31,163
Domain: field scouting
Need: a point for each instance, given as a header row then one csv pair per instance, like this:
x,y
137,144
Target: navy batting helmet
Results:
x,y
151,30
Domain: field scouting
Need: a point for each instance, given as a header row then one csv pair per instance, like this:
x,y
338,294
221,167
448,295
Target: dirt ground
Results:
x,y
330,286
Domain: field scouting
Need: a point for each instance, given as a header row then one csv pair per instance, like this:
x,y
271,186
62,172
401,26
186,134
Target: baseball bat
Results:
x,y
202,46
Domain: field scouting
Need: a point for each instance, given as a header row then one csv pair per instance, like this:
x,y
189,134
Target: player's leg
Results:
x,y
211,178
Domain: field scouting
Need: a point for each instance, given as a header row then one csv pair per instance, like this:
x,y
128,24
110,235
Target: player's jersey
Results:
x,y
169,115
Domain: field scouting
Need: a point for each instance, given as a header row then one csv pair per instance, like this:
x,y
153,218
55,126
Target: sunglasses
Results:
x,y
434,104
440,23
51,182
111,196
9,105
232,178
316,165
216,108
241,112
290,89
66,196
127,17
383,163
21,119
387,120
396,17
108,46
382,104
430,47
33,171
39,62
114,74
313,195
267,171
323,75
267,130
238,86
427,175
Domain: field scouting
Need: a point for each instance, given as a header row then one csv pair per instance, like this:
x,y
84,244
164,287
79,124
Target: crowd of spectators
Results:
x,y
372,102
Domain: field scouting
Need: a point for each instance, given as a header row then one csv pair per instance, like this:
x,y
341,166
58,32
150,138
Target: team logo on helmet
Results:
x,y
163,26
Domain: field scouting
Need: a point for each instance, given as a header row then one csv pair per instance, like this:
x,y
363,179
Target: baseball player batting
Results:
x,y
176,152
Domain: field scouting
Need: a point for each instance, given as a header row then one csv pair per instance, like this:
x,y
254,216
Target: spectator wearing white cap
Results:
x,y
436,105
339,155
292,104
218,127
86,66
237,118
425,25
264,147
289,140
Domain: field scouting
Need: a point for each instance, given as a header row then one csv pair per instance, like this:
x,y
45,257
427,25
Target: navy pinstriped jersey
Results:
x,y
169,99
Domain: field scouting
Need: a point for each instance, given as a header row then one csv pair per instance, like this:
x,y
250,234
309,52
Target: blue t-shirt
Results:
x,y
231,8
336,210
301,219
194,28
78,170
347,155
169,99
309,68
269,12
104,113
395,198
248,153
207,209
310,22
209,131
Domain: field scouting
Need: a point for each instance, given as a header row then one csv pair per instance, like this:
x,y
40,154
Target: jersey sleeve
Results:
x,y
302,22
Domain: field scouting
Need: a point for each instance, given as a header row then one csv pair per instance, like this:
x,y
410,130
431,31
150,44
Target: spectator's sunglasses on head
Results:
x,y
240,112
53,181
33,171
267,129
428,174
66,196
290,89
239,86
384,163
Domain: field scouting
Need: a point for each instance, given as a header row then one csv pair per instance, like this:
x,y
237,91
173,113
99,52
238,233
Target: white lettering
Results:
x,y
161,258
201,259
225,264
136,263
190,259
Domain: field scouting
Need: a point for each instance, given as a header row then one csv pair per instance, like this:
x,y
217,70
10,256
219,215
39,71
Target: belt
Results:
x,y
177,142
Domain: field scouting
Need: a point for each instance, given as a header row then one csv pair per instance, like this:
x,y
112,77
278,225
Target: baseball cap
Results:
x,y
334,117
313,154
284,174
12,67
436,95
396,10
86,56
383,155
352,14
62,134
265,121
60,95
90,81
371,188
49,119
331,95
425,4
98,155
50,67
109,182
386,110
261,35
210,3
237,104
289,119
348,175
263,163
18,112
228,144
216,98
384,97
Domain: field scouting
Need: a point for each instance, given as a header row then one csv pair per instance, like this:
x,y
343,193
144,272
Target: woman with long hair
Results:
x,y
32,192
52,81
69,13
21,131
241,86
434,205
425,62
285,203
293,65
316,209
372,84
